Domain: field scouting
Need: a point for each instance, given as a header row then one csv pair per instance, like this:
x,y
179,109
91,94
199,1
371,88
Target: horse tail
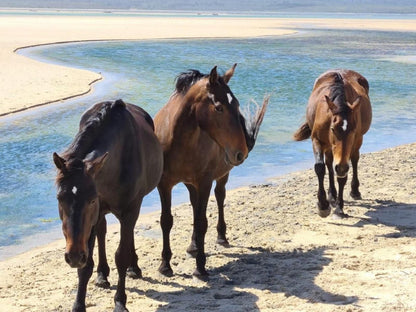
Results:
x,y
302,133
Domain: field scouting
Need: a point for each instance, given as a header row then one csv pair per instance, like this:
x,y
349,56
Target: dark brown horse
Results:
x,y
113,162
203,136
337,116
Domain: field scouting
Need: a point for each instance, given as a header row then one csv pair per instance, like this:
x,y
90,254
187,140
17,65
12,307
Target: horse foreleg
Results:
x,y
332,192
103,269
339,204
323,206
84,275
355,183
133,271
166,222
220,197
200,229
123,259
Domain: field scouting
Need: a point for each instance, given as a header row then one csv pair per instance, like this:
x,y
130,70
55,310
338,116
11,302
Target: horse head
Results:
x,y
78,204
342,134
217,113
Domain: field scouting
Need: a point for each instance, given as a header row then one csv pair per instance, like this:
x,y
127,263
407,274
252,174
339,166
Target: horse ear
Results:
x,y
94,166
331,104
213,76
355,104
229,73
59,162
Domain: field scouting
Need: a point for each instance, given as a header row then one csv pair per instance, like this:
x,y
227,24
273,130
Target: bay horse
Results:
x,y
338,114
114,160
203,136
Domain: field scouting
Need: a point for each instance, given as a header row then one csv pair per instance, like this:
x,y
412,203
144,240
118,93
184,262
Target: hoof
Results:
x,y
119,307
201,276
223,242
134,272
101,281
356,196
324,210
165,270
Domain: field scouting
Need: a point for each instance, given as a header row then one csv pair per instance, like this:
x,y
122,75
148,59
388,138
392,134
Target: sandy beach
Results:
x,y
26,83
283,256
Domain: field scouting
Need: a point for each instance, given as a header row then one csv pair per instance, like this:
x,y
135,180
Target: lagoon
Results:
x,y
143,72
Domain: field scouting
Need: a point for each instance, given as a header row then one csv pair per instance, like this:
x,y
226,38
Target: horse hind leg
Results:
x,y
220,197
193,195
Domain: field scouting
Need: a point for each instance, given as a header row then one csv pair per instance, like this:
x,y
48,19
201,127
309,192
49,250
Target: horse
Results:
x,y
203,136
114,160
338,115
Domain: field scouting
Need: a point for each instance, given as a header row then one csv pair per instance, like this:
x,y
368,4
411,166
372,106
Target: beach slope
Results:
x,y
283,256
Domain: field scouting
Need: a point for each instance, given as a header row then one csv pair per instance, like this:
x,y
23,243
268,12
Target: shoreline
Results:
x,y
46,83
285,256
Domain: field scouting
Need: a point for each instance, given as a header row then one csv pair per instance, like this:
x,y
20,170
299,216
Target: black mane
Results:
x,y
186,79
337,95
90,128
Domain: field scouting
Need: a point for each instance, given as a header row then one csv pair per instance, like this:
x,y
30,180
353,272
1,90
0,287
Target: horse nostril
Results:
x,y
83,258
341,170
239,157
67,258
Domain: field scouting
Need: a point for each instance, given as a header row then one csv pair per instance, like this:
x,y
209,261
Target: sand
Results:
x,y
283,256
25,83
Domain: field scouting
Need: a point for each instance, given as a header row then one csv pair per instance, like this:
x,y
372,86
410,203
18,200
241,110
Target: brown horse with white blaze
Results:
x,y
203,136
113,162
338,114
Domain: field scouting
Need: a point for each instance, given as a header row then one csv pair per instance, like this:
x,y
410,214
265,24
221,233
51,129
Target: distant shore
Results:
x,y
27,83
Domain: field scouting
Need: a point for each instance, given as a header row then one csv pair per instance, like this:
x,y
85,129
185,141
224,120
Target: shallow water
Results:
x,y
143,72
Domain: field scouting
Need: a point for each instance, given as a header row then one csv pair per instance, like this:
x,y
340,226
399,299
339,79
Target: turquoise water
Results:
x,y
143,72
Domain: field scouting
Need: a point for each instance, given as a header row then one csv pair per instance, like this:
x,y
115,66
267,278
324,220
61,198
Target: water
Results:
x,y
143,72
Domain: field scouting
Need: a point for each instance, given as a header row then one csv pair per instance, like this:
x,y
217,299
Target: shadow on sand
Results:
x,y
287,273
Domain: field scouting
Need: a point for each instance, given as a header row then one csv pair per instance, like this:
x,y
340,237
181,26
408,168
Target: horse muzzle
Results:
x,y
234,159
341,170
76,260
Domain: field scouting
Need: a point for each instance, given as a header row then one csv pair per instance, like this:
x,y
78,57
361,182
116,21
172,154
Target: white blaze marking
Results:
x,y
230,98
74,190
344,125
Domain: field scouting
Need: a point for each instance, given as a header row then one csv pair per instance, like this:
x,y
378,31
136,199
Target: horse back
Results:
x,y
135,160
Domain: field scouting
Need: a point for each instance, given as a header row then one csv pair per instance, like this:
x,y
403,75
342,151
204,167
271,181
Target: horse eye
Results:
x,y
332,129
92,202
219,108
